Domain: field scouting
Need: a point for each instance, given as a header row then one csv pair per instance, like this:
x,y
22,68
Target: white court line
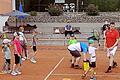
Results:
x,y
100,75
54,69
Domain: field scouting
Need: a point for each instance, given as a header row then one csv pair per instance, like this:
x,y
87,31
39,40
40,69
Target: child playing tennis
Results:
x,y
17,54
32,59
7,53
92,60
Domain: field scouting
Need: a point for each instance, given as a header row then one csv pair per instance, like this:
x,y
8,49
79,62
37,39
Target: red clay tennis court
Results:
x,y
53,63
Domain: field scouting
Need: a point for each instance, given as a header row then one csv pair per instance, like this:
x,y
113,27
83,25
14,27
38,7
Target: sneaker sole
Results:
x,y
14,74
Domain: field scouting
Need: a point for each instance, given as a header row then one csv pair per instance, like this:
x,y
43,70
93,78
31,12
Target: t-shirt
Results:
x,y
84,47
21,36
74,47
91,51
4,35
7,52
111,37
72,41
16,42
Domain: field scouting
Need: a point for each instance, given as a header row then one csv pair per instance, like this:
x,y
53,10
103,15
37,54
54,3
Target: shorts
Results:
x,y
84,47
7,61
75,53
92,64
34,48
111,51
17,59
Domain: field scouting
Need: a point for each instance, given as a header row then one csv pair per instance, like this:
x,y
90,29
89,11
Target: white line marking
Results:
x,y
54,69
101,75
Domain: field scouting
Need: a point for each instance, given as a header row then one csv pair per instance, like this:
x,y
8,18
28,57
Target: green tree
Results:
x,y
106,5
118,5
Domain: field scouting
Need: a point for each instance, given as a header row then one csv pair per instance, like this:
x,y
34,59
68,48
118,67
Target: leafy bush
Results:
x,y
33,13
92,10
106,5
55,10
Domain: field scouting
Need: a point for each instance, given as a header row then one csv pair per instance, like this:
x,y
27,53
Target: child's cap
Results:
x,y
91,41
6,41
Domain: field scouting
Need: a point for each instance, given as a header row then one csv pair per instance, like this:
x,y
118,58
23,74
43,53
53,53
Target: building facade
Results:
x,y
5,6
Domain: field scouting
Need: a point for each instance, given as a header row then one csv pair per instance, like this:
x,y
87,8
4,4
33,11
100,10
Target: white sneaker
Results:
x,y
18,72
9,71
4,72
91,79
13,73
23,59
33,61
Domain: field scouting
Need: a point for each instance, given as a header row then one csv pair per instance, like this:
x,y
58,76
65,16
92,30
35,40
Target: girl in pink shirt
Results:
x,y
17,54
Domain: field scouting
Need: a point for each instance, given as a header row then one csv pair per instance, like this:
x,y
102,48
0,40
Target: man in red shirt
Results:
x,y
111,43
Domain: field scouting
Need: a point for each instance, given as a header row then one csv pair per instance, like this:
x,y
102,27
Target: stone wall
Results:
x,y
44,17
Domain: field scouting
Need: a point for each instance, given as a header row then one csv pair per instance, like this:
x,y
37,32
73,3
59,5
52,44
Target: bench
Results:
x,y
61,30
